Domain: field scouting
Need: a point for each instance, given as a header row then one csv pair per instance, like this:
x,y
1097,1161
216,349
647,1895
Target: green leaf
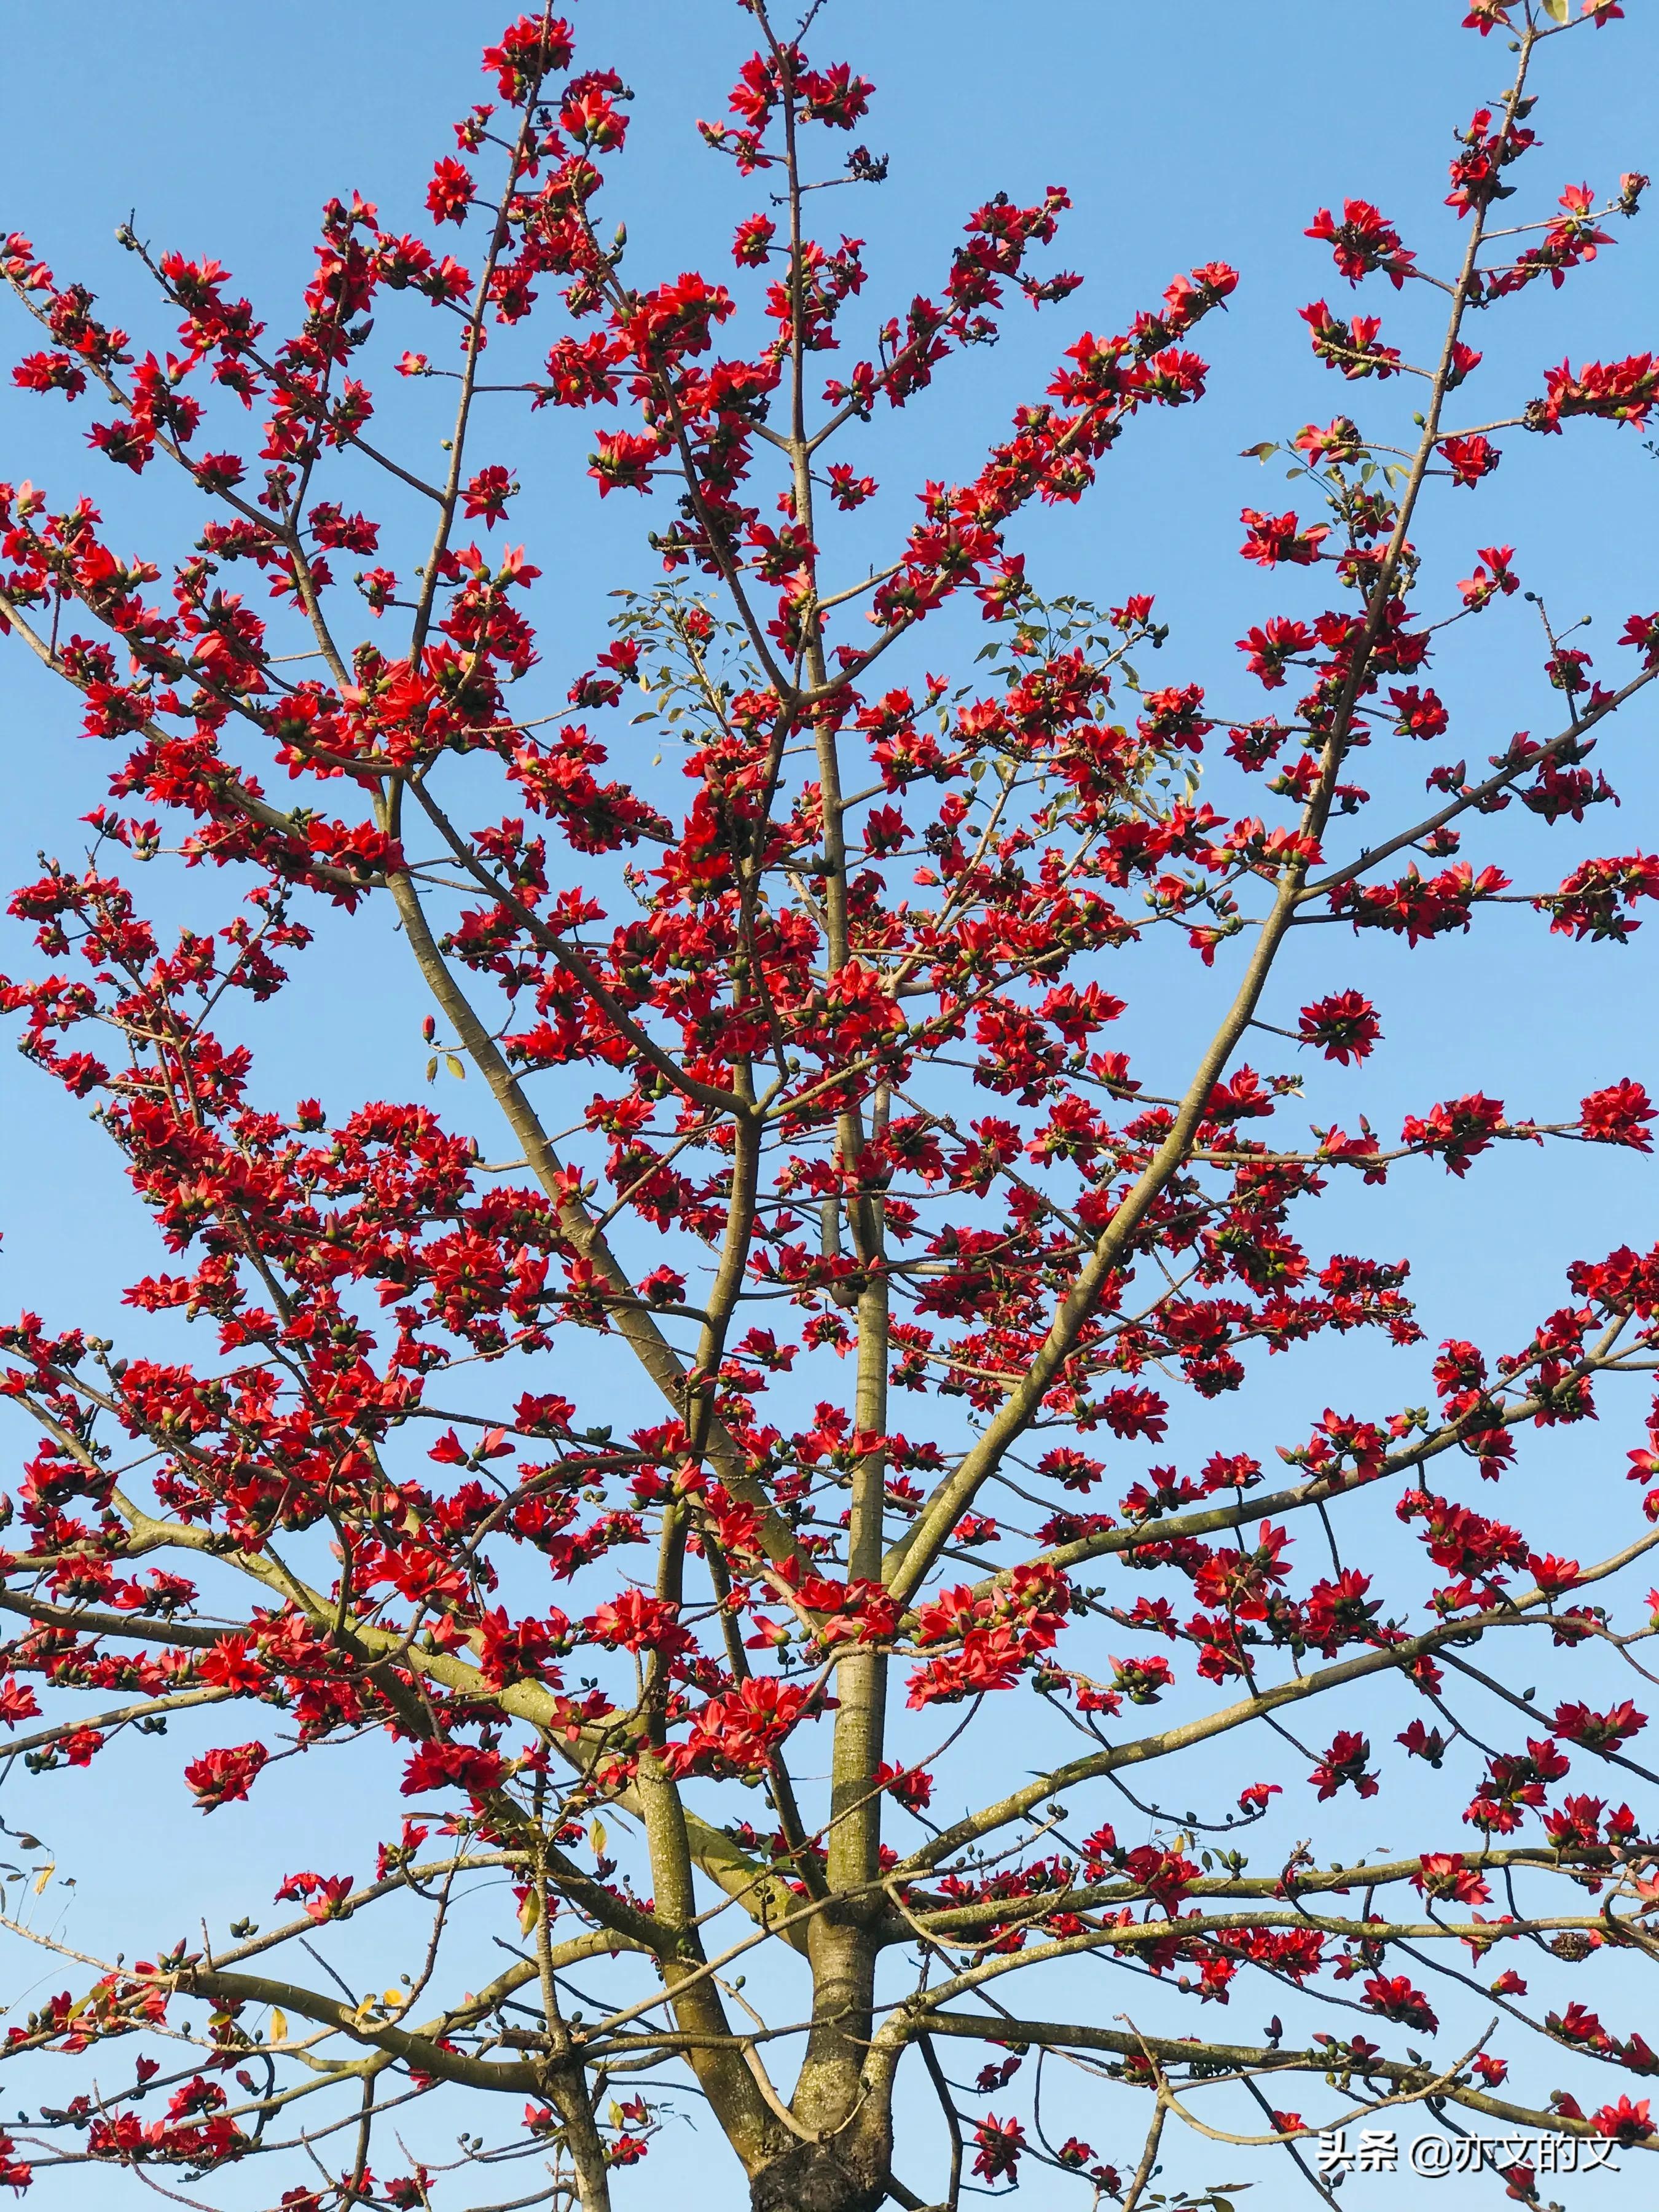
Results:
x,y
1259,453
456,1067
1557,10
431,1069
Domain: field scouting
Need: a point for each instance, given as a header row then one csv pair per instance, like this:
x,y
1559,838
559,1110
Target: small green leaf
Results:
x,y
456,1067
431,1069
1557,10
1259,453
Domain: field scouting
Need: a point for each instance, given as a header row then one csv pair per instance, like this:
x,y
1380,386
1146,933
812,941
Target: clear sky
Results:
x,y
1185,134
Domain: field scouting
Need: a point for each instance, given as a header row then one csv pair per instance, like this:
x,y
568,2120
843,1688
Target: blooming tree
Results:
x,y
703,1687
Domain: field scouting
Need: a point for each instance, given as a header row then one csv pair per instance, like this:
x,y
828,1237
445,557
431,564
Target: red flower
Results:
x,y
218,1776
583,370
1393,1997
1614,391
1566,668
1618,1115
741,1731
999,2144
487,495
453,1765
450,193
1553,1575
527,51
1444,1874
1344,1761
753,240
1604,1731
1165,1876
1458,1129
1423,1742
1362,241
17,1702
323,1895
50,371
14,2173
1421,712
1469,459
1344,1024
1271,645
1626,2123
848,491
1275,537
623,461
638,1623
232,1664
910,1787
1352,347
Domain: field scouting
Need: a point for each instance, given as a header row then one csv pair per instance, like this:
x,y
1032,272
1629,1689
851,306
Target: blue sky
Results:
x,y
1212,130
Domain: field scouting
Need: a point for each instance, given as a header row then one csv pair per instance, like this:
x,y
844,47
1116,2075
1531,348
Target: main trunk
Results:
x,y
822,2177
